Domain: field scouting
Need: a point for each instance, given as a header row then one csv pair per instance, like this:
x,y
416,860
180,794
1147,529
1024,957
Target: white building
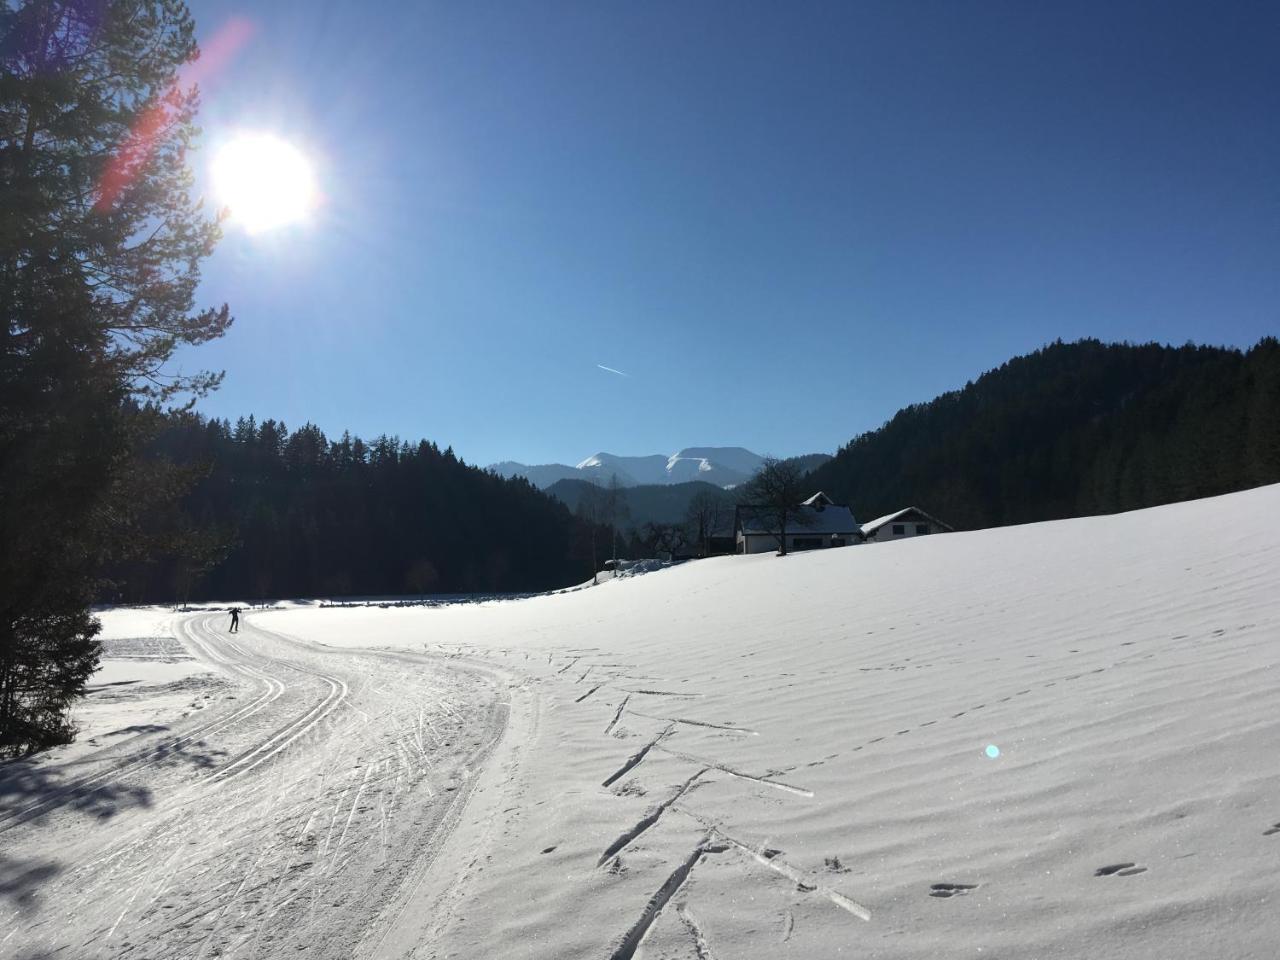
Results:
x,y
908,522
819,523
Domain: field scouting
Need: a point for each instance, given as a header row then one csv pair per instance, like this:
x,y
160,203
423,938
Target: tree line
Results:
x,y
271,512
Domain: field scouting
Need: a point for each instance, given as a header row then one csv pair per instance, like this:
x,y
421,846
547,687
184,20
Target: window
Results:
x,y
806,543
921,529
899,529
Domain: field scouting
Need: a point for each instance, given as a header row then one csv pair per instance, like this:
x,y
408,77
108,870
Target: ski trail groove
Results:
x,y
700,945
635,759
617,715
338,691
774,862
743,731
632,938
765,781
274,688
648,821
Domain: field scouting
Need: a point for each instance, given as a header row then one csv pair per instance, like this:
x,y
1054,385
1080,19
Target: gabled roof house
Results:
x,y
819,523
907,522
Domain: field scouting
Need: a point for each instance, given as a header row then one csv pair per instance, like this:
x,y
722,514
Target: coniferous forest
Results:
x,y
276,513
1071,430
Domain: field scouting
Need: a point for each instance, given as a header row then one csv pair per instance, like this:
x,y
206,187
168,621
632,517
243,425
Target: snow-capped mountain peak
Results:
x,y
723,466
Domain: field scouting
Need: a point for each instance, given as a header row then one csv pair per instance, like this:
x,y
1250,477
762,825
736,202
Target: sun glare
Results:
x,y
264,181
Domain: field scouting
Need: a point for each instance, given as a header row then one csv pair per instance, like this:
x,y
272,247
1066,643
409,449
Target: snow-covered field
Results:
x,y
146,677
1049,741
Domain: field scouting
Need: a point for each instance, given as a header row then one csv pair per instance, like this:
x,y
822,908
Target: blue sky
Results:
x,y
782,221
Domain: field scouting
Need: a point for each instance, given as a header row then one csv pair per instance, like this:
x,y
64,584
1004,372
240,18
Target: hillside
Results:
x,y
1052,741
650,503
1074,429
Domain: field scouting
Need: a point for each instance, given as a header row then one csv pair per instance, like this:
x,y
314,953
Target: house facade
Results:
x,y
819,524
907,522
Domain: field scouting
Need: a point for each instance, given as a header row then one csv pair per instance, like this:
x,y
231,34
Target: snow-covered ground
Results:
x,y
146,678
1049,741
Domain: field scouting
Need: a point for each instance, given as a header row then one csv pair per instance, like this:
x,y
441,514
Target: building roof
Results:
x,y
872,526
823,519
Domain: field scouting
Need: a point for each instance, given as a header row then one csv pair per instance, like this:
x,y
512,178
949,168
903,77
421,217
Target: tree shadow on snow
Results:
x,y
30,789
21,880
28,792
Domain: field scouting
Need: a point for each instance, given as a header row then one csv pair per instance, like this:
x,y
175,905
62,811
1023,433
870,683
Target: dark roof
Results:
x,y
821,521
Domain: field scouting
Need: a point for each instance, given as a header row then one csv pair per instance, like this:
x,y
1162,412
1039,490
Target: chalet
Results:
x,y
908,522
818,523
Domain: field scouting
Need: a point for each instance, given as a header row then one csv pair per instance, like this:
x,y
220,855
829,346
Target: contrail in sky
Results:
x,y
611,370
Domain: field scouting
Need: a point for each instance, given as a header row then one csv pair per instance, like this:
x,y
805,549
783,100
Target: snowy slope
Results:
x,y
732,460
541,475
631,471
1049,741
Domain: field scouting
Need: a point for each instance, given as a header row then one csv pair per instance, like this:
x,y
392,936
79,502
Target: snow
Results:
x,y
1124,668
738,459
630,471
145,678
1048,741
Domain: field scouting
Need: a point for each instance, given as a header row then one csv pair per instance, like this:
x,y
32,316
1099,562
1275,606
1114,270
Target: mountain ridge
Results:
x,y
725,467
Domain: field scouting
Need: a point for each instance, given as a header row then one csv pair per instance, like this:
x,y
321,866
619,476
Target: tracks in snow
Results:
x,y
647,821
715,840
271,688
345,770
632,938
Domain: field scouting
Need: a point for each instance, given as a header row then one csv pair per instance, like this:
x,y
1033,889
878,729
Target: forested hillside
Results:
x,y
274,513
649,503
1074,429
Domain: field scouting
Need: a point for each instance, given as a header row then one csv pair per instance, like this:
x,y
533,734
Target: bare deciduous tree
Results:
x,y
590,508
660,538
774,496
707,511
614,507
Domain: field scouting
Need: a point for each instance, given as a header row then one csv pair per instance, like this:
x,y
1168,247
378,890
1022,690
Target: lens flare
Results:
x,y
264,182
993,751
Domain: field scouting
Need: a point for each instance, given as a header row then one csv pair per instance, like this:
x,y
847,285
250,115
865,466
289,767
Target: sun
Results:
x,y
264,181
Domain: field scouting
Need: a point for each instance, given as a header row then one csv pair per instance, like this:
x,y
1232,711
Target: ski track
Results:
x,y
328,779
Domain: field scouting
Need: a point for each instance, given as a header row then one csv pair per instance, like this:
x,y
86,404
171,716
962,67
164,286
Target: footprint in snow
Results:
x,y
946,890
1119,870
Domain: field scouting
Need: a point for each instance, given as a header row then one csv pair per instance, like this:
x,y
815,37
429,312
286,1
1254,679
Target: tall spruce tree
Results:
x,y
100,245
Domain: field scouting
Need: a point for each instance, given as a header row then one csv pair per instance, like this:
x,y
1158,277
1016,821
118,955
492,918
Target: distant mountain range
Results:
x,y
722,466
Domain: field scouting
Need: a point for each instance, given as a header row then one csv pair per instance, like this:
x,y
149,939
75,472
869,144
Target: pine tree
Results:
x,y
100,244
